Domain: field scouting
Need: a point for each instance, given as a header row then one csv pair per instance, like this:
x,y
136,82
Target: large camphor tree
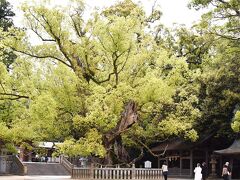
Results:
x,y
105,83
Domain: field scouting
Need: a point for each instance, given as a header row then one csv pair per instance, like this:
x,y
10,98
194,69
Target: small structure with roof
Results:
x,y
232,155
182,156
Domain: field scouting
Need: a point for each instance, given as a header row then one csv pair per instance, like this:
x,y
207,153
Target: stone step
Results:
x,y
41,168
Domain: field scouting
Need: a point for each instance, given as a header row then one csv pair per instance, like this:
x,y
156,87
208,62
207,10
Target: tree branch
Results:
x,y
41,56
80,33
12,96
140,156
125,60
150,151
58,41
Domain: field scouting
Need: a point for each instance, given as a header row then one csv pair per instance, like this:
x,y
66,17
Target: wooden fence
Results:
x,y
116,173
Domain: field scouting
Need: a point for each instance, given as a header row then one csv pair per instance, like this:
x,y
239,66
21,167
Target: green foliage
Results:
x,y
222,19
91,144
236,122
6,14
5,133
6,55
80,99
75,85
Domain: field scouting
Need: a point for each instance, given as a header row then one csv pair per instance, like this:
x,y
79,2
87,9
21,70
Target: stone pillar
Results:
x,y
133,171
92,171
213,163
22,156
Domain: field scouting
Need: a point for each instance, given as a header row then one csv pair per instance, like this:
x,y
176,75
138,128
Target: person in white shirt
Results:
x,y
165,170
198,172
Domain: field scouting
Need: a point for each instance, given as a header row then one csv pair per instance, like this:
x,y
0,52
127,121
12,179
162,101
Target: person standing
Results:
x,y
198,172
204,171
225,172
165,170
46,159
229,170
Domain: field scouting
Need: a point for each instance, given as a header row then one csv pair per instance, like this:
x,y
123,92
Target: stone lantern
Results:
x,y
213,163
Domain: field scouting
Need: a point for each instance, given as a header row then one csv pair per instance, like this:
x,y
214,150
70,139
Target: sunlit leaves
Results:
x,y
88,73
91,144
236,122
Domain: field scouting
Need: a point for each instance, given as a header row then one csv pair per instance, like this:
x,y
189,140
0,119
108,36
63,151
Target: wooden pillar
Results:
x,y
231,166
207,160
206,157
221,166
180,162
191,163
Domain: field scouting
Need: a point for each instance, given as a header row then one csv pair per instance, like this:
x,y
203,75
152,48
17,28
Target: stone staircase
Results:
x,y
45,169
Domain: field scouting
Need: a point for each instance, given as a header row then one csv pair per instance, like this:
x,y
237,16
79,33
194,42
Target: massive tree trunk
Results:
x,y
116,153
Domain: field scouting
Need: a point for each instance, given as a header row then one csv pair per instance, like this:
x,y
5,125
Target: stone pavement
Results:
x,y
34,177
57,178
51,178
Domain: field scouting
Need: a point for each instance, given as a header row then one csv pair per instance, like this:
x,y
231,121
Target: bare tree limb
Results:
x,y
41,56
150,151
140,156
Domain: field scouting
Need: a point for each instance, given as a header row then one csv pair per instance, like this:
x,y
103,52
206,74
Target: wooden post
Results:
x,y
206,157
191,163
180,159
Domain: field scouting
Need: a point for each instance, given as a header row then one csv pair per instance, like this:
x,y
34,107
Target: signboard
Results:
x,y
148,164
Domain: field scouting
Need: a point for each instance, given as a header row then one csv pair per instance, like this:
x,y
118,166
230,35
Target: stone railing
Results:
x,y
91,173
116,173
14,165
69,166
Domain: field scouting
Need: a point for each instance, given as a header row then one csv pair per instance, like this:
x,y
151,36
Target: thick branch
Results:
x,y
125,60
128,118
40,36
150,151
140,156
41,56
80,33
11,96
58,41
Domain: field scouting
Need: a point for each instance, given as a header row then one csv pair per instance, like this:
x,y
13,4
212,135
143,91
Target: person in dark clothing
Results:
x,y
204,171
46,158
